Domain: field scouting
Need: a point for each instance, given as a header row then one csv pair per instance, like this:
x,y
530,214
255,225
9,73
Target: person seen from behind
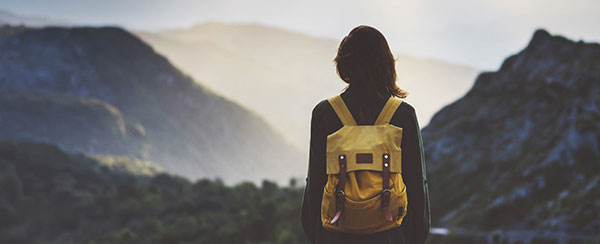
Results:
x,y
367,178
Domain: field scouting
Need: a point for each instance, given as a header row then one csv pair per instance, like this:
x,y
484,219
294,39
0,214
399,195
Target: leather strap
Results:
x,y
340,195
385,194
388,111
342,110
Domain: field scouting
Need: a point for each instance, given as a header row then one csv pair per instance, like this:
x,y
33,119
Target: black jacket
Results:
x,y
416,224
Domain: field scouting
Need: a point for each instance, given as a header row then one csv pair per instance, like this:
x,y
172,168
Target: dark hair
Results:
x,y
365,62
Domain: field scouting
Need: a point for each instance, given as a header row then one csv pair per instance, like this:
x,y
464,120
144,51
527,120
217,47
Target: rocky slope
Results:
x,y
521,150
102,90
282,74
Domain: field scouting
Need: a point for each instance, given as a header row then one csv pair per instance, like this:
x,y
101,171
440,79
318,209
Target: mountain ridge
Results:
x,y
257,64
185,124
521,149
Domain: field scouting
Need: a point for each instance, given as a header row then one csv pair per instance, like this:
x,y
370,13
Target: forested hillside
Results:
x,y
49,196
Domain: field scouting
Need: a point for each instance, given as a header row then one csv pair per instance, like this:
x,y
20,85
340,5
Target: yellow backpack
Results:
x,y
365,192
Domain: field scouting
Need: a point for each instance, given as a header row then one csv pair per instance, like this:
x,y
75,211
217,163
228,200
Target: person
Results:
x,y
364,61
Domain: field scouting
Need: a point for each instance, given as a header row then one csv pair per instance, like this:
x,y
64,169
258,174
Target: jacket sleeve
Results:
x,y
311,202
415,175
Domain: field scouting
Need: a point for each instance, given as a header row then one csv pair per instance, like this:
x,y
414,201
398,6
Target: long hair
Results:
x,y
364,61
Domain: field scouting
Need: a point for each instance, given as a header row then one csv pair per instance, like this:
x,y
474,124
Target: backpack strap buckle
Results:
x,y
340,195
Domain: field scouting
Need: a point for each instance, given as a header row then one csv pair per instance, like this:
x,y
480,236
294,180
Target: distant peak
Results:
x,y
542,40
541,34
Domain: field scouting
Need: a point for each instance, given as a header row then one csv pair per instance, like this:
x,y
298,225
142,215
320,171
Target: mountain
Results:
x,y
520,152
103,90
51,196
282,74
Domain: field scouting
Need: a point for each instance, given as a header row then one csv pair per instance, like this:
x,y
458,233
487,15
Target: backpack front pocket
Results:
x,y
366,216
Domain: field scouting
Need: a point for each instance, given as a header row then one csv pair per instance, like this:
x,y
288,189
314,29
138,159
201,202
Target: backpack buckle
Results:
x,y
385,204
340,197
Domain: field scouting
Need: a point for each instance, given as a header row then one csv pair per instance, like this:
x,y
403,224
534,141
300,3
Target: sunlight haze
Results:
x,y
475,33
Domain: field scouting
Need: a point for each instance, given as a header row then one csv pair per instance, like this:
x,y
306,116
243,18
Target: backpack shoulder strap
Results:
x,y
341,110
388,111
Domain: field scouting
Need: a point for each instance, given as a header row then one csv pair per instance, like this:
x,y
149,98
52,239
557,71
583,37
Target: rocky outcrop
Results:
x,y
521,150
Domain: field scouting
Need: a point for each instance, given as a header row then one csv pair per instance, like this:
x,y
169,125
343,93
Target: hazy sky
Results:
x,y
478,33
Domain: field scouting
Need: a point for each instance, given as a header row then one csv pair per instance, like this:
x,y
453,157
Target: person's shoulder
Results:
x,y
405,114
322,107
405,108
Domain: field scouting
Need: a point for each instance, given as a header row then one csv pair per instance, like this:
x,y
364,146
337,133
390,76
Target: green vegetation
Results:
x,y
49,196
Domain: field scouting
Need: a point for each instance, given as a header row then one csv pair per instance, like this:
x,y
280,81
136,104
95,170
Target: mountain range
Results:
x,y
282,74
254,64
105,91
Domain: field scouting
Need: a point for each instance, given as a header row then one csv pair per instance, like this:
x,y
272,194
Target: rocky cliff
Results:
x,y
521,150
